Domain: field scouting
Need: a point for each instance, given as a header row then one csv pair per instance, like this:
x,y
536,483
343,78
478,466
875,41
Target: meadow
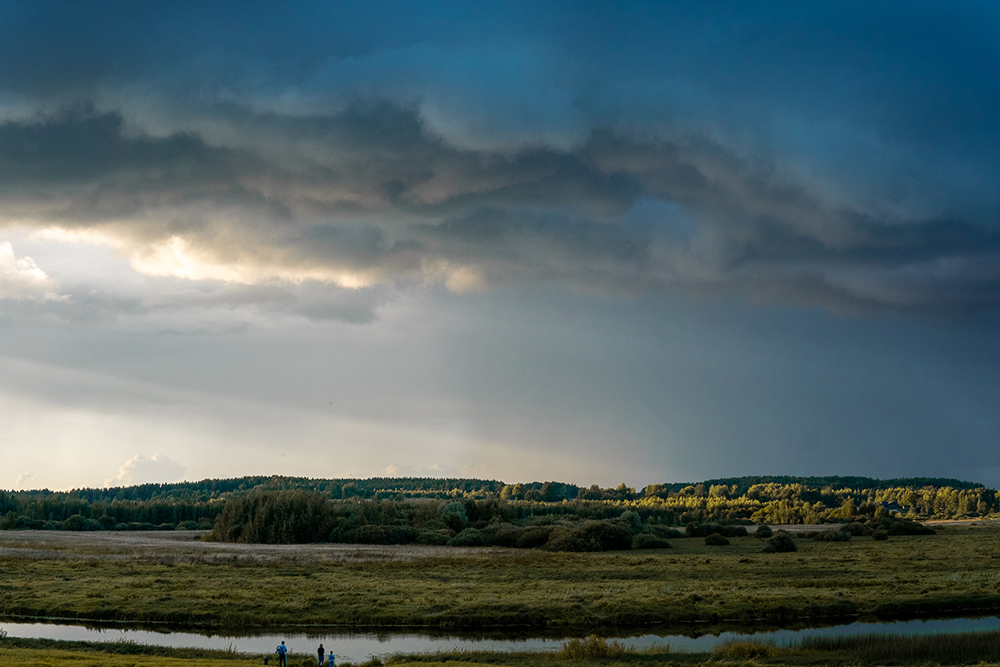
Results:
x,y
187,583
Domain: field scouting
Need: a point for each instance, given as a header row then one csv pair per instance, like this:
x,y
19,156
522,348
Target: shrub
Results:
x,y
716,540
454,516
664,532
780,542
832,536
706,529
134,525
531,538
433,537
631,520
77,522
591,536
366,534
763,531
591,647
503,534
187,525
856,529
907,527
400,534
611,536
568,539
649,541
880,535
470,537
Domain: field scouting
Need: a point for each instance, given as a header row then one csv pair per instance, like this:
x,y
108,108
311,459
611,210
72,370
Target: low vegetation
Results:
x,y
256,587
295,517
780,542
53,653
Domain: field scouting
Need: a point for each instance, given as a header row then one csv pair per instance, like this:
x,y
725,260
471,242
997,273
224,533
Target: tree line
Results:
x,y
395,502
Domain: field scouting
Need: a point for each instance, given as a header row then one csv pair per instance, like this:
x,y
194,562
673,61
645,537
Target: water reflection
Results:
x,y
355,647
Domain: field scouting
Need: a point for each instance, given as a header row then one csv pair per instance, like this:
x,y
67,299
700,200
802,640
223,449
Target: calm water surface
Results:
x,y
357,647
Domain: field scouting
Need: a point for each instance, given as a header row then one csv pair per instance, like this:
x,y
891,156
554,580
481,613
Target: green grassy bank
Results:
x,y
953,572
51,653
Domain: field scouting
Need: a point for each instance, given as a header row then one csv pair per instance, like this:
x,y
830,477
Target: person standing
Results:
x,y
321,652
282,651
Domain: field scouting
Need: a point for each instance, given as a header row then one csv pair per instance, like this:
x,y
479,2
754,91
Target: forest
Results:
x,y
470,512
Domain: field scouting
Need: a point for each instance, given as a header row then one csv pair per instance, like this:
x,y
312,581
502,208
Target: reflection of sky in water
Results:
x,y
355,647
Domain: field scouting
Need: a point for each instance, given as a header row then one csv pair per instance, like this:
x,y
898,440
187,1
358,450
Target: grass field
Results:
x,y
192,584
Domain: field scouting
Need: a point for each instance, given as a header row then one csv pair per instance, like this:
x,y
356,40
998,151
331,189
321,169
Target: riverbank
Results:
x,y
187,583
873,650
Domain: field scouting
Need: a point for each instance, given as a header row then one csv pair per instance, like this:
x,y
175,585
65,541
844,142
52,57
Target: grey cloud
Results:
x,y
81,146
311,300
176,304
370,188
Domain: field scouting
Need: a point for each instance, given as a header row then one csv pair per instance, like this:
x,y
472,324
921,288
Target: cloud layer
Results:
x,y
414,158
383,201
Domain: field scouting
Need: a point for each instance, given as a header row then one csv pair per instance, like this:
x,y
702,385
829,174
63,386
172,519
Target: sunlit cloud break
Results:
x,y
20,278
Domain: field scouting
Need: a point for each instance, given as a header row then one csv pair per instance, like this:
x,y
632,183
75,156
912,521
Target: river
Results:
x,y
358,647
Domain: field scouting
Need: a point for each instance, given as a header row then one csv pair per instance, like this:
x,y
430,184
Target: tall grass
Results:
x,y
943,649
745,650
591,647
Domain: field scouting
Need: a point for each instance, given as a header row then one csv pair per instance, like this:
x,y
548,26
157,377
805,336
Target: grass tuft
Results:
x,y
591,647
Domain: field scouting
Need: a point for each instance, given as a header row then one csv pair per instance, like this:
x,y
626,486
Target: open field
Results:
x,y
163,578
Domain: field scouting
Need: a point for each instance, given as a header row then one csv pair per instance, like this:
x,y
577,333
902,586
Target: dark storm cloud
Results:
x,y
843,157
80,148
380,194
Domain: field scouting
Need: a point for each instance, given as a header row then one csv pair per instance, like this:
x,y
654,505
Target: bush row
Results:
x,y
296,517
78,522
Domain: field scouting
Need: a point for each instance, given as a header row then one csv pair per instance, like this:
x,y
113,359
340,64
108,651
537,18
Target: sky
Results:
x,y
595,243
